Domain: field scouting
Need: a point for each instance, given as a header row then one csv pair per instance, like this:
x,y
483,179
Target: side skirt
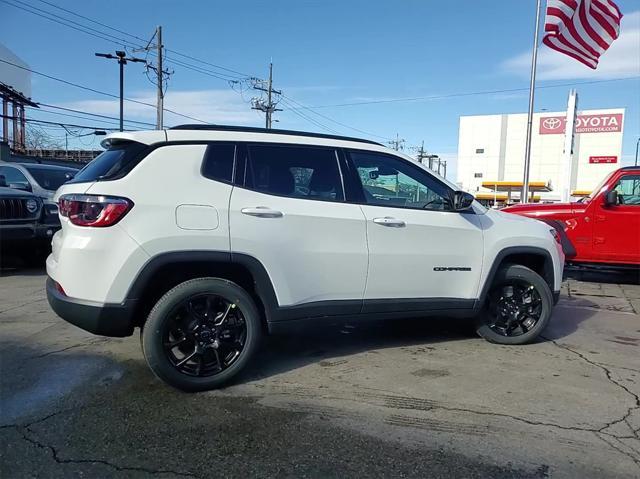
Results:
x,y
293,318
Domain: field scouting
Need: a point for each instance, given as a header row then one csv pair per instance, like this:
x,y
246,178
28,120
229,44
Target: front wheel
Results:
x,y
518,307
201,334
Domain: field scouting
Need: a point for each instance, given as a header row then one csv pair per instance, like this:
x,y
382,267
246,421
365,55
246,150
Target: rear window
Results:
x,y
113,163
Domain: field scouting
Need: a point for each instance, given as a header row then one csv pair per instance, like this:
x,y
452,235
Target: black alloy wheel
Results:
x,y
201,334
515,308
204,335
518,306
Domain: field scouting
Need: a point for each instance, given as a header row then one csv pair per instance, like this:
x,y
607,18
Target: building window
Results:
x,y
479,151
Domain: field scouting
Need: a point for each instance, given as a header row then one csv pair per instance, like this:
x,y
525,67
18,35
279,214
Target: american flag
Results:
x,y
582,29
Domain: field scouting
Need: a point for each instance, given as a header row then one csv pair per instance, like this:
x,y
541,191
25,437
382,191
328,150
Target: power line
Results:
x,y
111,95
307,118
208,63
71,125
91,20
121,41
144,123
104,118
104,25
332,120
68,23
463,94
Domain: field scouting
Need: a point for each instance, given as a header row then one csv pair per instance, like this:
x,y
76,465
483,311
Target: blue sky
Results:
x,y
325,53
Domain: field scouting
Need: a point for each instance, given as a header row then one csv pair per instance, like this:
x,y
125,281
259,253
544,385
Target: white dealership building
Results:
x,y
491,151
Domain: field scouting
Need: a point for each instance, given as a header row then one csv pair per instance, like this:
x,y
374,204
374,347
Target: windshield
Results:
x,y
597,189
50,178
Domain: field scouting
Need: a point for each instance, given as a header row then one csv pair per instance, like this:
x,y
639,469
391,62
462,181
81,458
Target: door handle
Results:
x,y
262,212
389,221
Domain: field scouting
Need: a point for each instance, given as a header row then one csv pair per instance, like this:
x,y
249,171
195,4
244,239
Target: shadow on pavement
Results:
x,y
603,276
284,353
12,264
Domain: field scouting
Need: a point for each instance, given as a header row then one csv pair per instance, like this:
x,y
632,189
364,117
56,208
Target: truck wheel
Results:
x,y
201,334
518,307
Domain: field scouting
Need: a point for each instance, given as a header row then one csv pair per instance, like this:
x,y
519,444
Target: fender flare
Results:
x,y
567,246
499,258
262,282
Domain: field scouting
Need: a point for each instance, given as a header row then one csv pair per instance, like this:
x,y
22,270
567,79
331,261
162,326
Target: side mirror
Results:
x,y
3,181
611,198
462,200
20,186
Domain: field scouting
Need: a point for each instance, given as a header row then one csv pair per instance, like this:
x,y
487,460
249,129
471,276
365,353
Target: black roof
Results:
x,y
251,129
630,168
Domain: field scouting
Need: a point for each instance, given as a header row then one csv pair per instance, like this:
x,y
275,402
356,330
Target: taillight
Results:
x,y
556,235
93,210
59,288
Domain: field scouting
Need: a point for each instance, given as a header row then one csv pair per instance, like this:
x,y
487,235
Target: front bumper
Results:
x,y
17,232
46,231
114,320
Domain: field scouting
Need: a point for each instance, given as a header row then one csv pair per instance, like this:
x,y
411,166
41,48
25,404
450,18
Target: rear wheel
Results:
x,y
518,307
201,334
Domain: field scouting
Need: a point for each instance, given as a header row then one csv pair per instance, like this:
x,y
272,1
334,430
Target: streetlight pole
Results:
x,y
524,194
122,61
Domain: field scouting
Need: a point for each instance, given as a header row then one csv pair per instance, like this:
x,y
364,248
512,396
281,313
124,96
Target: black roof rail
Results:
x,y
252,129
630,167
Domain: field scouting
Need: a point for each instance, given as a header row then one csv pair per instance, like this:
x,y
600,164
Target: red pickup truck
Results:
x,y
602,229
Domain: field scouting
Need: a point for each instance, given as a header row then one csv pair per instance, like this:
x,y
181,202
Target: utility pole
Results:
x,y
122,61
160,101
397,144
421,153
159,71
269,106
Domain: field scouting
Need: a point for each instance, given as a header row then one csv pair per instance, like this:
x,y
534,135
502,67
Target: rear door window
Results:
x,y
295,171
113,163
218,162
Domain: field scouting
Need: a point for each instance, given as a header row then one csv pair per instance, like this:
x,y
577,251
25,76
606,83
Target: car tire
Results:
x,y
176,313
518,307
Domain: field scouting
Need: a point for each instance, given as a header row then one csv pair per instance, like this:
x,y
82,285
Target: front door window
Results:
x,y
387,181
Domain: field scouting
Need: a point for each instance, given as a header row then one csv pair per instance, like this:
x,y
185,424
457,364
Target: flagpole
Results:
x,y
524,195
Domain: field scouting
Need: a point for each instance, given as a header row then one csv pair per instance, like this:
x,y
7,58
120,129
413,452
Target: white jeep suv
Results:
x,y
207,237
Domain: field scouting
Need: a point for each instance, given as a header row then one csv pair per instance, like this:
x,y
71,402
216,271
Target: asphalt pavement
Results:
x,y
417,398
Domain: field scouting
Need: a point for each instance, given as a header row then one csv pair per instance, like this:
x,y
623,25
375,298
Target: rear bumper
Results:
x,y
114,320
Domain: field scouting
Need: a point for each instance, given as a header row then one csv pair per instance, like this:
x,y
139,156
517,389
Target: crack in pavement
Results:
x,y
24,428
613,446
625,419
609,376
73,346
22,305
426,405
56,457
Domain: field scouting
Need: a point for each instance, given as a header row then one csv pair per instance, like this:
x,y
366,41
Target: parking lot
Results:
x,y
418,398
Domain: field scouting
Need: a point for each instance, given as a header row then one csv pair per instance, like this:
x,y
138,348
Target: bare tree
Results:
x,y
38,139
